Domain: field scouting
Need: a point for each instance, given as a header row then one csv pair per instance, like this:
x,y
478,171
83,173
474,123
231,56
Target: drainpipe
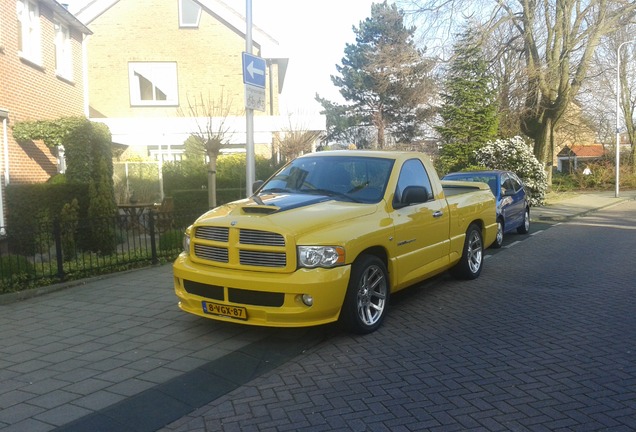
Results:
x,y
85,75
4,115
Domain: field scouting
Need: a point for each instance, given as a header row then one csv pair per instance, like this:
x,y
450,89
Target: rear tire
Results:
x,y
367,299
500,235
472,260
524,228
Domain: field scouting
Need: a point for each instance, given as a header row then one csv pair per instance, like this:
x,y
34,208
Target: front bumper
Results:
x,y
326,286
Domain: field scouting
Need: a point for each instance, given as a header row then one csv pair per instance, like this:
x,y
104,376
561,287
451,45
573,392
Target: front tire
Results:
x,y
472,260
367,299
524,228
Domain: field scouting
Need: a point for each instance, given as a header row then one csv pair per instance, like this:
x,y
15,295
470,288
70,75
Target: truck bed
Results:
x,y
452,188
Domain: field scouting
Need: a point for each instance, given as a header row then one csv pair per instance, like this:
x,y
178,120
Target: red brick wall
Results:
x,y
34,92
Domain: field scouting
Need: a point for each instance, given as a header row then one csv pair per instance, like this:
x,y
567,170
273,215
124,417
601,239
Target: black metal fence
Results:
x,y
52,251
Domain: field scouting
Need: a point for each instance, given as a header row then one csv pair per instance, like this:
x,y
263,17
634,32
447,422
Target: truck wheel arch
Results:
x,y
471,262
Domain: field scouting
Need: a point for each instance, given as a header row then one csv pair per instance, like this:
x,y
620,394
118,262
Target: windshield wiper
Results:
x,y
329,193
275,190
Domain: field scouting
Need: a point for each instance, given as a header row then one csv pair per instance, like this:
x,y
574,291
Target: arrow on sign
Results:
x,y
252,70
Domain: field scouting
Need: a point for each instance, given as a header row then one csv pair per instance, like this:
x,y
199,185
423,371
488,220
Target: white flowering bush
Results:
x,y
513,154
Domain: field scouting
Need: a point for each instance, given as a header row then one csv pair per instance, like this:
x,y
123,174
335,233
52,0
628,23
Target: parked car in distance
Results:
x,y
513,206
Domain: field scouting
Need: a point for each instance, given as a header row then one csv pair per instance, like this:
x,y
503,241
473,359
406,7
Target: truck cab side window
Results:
x,y
413,174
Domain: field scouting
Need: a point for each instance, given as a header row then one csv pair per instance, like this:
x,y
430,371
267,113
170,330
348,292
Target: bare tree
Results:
x,y
559,39
600,89
211,133
627,84
296,139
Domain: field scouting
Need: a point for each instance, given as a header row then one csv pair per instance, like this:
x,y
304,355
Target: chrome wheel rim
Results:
x,y
526,220
500,234
372,293
474,252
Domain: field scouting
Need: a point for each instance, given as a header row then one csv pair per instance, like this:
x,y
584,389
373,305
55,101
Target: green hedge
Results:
x,y
31,205
188,176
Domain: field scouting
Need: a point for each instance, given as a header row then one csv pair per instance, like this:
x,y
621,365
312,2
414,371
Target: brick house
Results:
x,y
575,157
147,60
41,65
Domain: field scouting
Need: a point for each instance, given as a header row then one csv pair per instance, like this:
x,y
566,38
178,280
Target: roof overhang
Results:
x,y
62,13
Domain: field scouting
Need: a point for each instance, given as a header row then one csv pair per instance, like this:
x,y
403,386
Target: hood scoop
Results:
x,y
261,209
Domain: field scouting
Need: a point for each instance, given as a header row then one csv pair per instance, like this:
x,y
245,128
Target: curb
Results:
x,y
565,218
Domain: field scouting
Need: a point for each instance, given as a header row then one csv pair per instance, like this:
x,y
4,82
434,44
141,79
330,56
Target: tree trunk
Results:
x,y
212,182
544,144
378,120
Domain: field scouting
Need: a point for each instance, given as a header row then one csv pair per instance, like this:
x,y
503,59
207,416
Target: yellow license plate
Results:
x,y
225,310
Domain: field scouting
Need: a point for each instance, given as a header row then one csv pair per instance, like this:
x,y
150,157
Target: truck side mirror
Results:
x,y
413,195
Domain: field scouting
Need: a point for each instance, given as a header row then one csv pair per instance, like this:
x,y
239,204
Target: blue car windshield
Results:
x,y
351,178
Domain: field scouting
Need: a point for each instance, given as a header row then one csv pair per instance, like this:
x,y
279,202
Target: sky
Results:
x,y
313,33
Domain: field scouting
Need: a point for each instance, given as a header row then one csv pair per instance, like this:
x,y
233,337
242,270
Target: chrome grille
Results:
x,y
219,234
233,246
264,238
211,253
263,259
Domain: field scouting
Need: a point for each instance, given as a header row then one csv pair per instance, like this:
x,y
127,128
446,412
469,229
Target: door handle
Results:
x,y
438,213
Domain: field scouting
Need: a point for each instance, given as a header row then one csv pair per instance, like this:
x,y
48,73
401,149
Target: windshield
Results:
x,y
359,179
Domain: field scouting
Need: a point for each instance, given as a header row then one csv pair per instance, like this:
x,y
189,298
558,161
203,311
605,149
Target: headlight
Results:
x,y
186,243
320,256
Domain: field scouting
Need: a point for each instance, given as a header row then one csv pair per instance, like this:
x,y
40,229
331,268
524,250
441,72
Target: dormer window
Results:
x,y
153,83
189,13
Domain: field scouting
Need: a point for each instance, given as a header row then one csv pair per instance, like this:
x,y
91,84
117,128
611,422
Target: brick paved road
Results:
x,y
117,353
544,340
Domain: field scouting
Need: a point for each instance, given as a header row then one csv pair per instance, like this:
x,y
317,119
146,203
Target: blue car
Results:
x,y
513,207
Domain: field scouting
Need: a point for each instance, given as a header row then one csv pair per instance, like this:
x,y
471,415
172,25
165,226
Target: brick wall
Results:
x,y
208,58
34,92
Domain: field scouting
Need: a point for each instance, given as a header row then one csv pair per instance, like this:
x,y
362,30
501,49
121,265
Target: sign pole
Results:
x,y
250,164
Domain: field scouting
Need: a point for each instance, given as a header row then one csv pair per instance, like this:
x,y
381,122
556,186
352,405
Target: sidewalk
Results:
x,y
559,209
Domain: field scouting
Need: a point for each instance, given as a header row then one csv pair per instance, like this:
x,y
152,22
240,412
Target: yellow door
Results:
x,y
421,224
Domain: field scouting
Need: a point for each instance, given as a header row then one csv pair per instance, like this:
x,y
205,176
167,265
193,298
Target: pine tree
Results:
x,y
469,110
384,77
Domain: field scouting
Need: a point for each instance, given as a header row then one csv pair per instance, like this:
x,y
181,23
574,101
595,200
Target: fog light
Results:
x,y
307,299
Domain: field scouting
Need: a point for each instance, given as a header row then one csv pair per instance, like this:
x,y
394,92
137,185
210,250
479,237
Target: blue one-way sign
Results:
x,y
253,70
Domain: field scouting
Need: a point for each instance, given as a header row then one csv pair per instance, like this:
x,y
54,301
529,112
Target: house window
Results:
x,y
63,56
189,13
153,83
29,31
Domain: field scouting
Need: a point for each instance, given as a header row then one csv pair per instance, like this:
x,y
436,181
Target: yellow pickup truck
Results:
x,y
329,237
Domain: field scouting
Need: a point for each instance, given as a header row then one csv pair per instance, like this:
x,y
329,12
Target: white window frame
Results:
x,y
158,79
29,18
186,3
63,51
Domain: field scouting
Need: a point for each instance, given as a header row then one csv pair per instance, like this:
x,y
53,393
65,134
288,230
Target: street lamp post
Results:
x,y
618,135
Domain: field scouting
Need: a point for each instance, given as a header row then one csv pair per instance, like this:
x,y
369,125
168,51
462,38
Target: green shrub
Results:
x,y
513,154
69,221
12,266
190,201
184,175
189,175
27,203
171,240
